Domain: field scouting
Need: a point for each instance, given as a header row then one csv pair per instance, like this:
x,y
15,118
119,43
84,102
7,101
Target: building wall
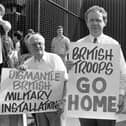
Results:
x,y
116,26
70,14
31,10
52,16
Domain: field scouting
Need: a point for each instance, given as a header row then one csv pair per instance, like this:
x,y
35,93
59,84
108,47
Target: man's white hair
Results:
x,y
34,36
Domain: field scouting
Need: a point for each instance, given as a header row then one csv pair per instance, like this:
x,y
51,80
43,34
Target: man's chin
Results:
x,y
40,53
96,33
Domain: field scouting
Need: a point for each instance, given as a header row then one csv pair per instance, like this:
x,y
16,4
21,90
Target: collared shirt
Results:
x,y
60,45
50,61
104,39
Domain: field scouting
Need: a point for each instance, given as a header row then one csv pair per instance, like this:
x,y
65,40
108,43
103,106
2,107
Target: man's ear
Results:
x,y
105,21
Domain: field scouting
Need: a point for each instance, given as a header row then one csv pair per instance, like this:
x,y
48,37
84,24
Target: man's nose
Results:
x,y
95,22
37,45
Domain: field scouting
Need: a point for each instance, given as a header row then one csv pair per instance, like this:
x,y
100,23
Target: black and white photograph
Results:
x,y
62,63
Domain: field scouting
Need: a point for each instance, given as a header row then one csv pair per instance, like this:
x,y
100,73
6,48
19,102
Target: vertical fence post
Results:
x,y
24,119
66,17
39,6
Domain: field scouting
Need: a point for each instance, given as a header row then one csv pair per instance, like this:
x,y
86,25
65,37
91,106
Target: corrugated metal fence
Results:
x,y
116,26
69,14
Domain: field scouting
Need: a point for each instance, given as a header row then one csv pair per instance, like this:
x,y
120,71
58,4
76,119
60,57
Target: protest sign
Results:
x,y
30,91
94,80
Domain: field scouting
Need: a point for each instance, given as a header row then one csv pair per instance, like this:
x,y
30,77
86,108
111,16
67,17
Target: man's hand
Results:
x,y
22,67
69,65
60,106
121,103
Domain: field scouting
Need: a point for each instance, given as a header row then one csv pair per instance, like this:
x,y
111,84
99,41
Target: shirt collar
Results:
x,y
99,38
44,58
61,37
